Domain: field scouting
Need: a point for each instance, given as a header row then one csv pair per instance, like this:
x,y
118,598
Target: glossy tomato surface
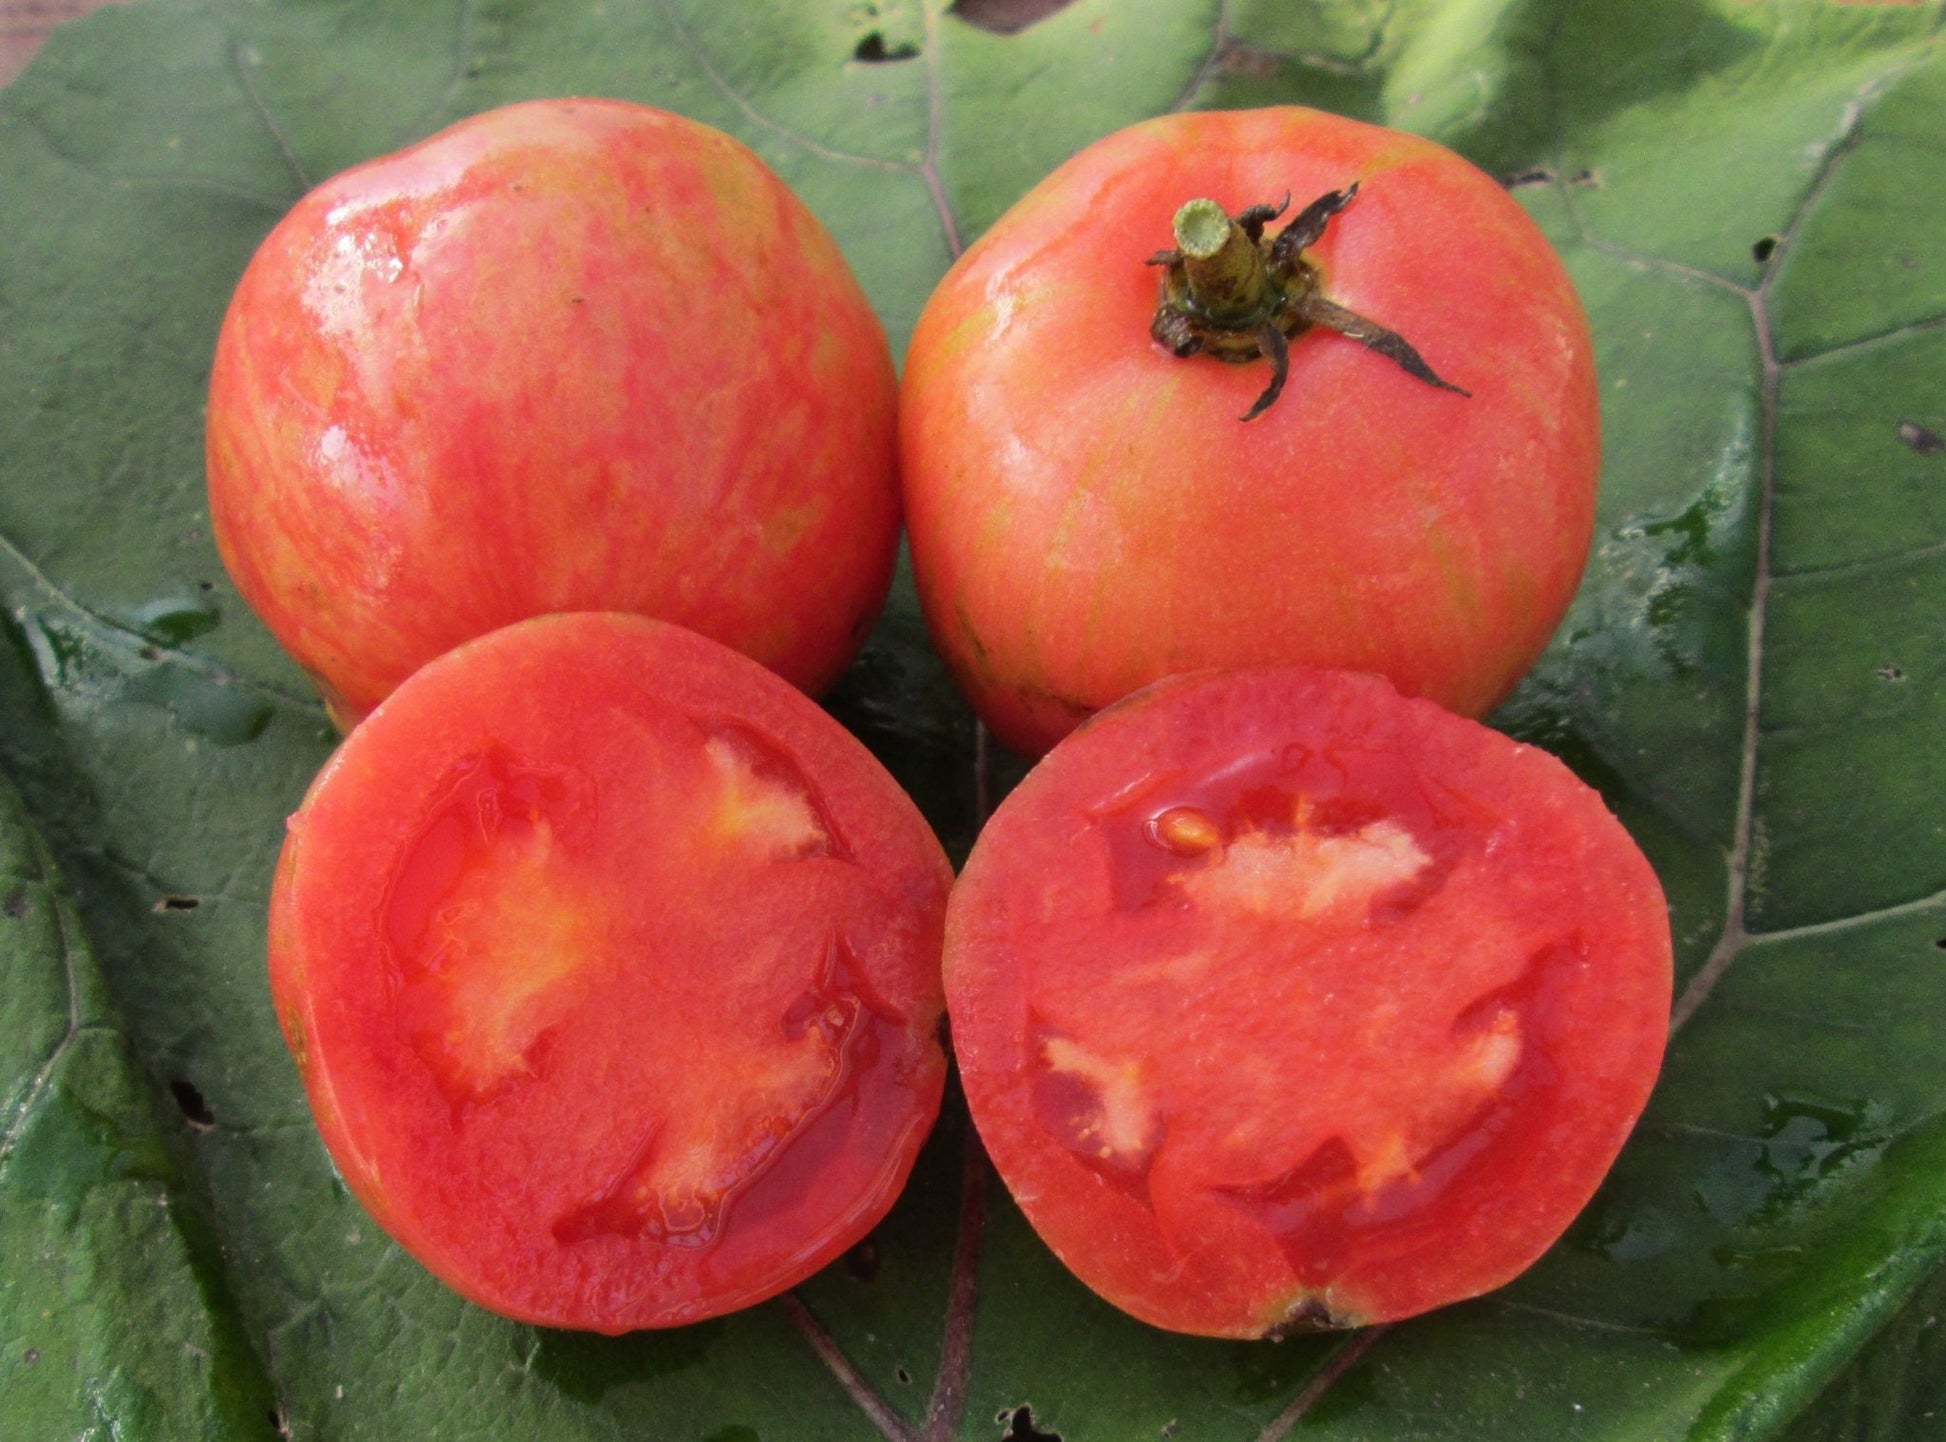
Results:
x,y
1282,1001
611,965
566,355
1087,512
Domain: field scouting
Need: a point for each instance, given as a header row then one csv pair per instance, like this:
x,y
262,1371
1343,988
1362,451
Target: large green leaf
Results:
x,y
1749,195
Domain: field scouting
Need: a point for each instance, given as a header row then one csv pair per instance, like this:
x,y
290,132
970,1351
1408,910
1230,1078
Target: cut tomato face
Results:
x,y
1282,1001
611,965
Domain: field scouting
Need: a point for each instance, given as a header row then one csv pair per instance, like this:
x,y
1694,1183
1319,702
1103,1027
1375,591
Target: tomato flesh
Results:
x,y
611,964
1281,1000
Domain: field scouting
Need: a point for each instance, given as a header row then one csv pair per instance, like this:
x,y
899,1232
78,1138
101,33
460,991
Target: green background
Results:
x,y
1750,197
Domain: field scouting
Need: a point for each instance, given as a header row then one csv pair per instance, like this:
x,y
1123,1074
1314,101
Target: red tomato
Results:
x,y
1087,513
568,355
611,965
1282,1001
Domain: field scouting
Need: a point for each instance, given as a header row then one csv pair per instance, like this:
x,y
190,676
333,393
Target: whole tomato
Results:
x,y
566,355
1401,479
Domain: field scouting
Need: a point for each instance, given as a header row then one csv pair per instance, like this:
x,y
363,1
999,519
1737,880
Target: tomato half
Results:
x,y
1282,1001
1087,512
566,355
611,965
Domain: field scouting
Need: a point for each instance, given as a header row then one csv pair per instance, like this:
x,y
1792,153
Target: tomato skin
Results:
x,y
611,966
1283,1001
565,355
1087,513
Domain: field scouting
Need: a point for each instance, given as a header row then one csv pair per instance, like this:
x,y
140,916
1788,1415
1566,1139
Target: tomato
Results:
x,y
611,965
1087,512
1282,1001
567,355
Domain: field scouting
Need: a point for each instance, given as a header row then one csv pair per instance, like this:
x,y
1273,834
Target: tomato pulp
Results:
x,y
1282,1001
1088,514
611,965
566,355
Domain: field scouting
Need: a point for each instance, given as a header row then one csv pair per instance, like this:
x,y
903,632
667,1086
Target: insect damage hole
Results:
x,y
1763,248
192,1104
16,904
1019,1422
873,50
177,903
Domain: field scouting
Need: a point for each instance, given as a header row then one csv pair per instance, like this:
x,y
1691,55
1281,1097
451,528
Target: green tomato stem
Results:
x,y
1224,267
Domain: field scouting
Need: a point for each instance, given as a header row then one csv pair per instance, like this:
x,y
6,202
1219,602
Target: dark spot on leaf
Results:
x,y
1248,62
149,653
1585,177
178,903
1534,175
193,1106
1764,248
1923,439
206,585
1019,1422
1890,671
1005,17
31,1355
1941,943
862,1261
905,1377
873,49
16,904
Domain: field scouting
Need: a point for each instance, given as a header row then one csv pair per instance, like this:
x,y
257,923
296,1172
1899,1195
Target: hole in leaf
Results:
x,y
190,1100
31,1355
178,903
1535,175
873,49
1765,247
1923,439
1890,671
1585,177
206,585
1005,17
1019,1423
862,1261
16,904
1941,943
905,1377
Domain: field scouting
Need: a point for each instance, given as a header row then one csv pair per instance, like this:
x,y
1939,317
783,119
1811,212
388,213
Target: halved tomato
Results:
x,y
611,965
1283,1001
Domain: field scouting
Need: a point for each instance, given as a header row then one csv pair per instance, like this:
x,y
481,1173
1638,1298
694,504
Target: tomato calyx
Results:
x,y
1232,292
